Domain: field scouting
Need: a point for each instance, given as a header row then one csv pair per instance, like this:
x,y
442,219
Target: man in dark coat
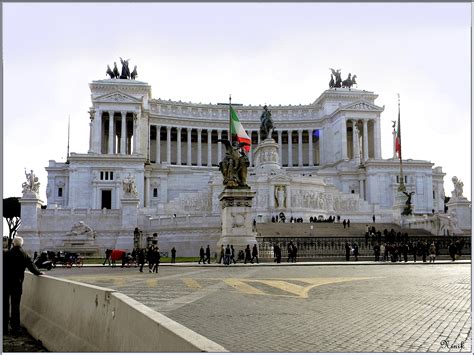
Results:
x,y
254,253
201,256
452,251
348,251
208,255
173,255
247,254
16,261
141,258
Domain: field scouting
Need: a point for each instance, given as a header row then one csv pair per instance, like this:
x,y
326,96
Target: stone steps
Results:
x,y
328,229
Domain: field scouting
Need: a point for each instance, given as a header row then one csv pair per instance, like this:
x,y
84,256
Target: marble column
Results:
x,y
189,163
168,144
258,137
310,148
135,133
354,138
219,146
344,139
290,148
280,146
300,147
110,149
322,157
178,146
147,192
199,161
361,189
377,139
97,132
158,144
209,147
366,141
123,133
90,136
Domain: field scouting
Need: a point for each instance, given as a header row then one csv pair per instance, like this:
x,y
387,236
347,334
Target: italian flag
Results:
x,y
398,139
236,129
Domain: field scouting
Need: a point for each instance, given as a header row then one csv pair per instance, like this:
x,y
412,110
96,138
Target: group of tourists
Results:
x,y
138,257
227,255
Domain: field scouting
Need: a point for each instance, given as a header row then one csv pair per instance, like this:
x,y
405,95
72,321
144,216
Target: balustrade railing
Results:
x,y
322,247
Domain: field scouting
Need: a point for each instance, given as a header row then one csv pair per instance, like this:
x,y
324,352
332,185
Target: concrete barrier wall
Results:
x,y
68,316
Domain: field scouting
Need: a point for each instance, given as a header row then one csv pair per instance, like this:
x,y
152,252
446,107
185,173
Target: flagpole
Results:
x,y
68,136
401,186
230,119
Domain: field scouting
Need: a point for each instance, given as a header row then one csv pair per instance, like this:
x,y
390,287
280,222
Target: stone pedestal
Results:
x,y
30,209
236,217
398,207
129,222
266,156
460,211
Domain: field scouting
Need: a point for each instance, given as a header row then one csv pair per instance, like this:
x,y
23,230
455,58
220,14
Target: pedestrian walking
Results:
x,y
432,252
254,253
377,252
373,218
290,252
424,251
344,223
348,223
149,258
248,257
208,255
382,251
108,254
15,261
156,257
221,258
356,251
452,251
140,259
294,253
348,249
201,256
227,255
173,255
277,254
232,254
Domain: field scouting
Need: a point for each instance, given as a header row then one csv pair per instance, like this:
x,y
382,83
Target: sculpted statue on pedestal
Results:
x,y
280,196
32,184
266,127
458,188
234,165
408,210
81,229
129,186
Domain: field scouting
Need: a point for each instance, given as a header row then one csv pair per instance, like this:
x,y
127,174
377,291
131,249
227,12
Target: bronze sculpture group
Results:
x,y
266,127
234,165
114,74
338,82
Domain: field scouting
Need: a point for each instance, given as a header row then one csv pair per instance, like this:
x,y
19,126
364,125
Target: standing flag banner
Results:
x,y
236,129
398,137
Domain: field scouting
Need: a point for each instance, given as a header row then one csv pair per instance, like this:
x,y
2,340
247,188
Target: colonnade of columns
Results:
x,y
303,154
370,145
113,132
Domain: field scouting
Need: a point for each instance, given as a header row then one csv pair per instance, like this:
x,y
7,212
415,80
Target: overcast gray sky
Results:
x,y
261,53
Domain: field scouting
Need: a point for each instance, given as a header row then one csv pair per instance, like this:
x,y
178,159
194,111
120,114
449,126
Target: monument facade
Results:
x,y
153,164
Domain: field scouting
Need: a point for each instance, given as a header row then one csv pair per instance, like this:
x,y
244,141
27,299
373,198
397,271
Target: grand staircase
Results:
x,y
329,229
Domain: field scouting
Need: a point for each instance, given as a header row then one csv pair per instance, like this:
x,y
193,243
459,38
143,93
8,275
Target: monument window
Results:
x,y
106,199
60,192
155,192
106,175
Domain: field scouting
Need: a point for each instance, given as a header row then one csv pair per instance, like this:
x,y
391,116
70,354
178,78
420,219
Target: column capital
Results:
x,y
111,113
199,130
179,129
209,130
168,128
124,113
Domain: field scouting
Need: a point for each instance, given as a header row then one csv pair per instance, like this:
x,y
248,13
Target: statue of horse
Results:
x,y
348,82
110,72
337,75
266,126
331,82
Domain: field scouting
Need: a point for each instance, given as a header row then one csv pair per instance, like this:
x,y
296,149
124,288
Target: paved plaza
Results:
x,y
312,308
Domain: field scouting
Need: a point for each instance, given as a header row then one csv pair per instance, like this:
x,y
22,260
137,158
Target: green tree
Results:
x,y
12,213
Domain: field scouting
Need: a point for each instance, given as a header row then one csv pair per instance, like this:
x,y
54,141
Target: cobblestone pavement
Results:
x,y
23,343
350,308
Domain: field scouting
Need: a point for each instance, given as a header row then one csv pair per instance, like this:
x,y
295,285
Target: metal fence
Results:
x,y
329,247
